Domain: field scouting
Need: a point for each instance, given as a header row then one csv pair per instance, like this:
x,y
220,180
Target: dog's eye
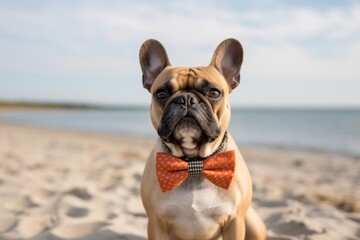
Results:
x,y
161,94
214,93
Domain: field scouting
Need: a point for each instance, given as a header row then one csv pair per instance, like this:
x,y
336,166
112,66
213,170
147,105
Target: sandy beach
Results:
x,y
68,185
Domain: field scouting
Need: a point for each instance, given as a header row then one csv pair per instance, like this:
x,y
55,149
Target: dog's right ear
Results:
x,y
153,59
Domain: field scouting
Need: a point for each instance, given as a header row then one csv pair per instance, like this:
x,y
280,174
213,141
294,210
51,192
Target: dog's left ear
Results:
x,y
227,59
153,59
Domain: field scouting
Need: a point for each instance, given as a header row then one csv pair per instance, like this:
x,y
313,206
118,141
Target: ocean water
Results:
x,y
329,130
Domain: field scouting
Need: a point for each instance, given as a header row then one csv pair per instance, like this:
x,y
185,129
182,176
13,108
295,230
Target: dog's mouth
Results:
x,y
187,133
188,126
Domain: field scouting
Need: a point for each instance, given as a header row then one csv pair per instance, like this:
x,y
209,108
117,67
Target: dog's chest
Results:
x,y
196,209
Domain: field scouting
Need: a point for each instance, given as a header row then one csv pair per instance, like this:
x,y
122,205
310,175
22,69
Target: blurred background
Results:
x,y
300,78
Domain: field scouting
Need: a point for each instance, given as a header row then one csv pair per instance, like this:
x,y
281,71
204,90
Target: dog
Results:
x,y
181,190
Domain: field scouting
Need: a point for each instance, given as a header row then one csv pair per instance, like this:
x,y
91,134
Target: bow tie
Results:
x,y
172,171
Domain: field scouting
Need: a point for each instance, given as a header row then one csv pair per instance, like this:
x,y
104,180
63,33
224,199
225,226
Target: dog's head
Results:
x,y
190,108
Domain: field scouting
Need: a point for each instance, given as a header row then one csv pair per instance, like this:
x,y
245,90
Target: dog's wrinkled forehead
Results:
x,y
180,78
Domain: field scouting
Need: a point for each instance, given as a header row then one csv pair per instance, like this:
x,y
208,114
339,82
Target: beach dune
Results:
x,y
66,185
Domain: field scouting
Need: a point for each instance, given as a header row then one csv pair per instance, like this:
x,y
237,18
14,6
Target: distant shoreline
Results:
x,y
24,105
37,105
293,129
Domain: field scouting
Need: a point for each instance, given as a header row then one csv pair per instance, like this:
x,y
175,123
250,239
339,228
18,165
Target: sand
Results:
x,y
68,185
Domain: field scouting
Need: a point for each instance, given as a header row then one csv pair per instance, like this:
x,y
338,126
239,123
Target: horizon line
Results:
x,y
93,105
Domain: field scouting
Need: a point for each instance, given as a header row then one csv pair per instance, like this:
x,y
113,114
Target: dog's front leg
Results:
x,y
235,230
156,231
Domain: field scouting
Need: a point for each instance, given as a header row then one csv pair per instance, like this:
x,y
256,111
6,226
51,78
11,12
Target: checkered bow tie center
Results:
x,y
171,171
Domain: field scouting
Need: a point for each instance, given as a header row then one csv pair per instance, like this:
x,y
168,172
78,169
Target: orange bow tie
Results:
x,y
172,171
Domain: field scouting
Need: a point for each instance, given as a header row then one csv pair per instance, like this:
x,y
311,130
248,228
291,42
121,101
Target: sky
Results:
x,y
296,53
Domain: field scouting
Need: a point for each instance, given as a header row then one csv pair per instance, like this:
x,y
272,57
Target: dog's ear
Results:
x,y
227,59
153,59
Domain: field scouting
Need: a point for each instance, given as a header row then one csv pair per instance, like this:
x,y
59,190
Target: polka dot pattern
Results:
x,y
171,171
220,168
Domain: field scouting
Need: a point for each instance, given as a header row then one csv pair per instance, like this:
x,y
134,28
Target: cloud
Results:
x,y
284,43
292,62
190,26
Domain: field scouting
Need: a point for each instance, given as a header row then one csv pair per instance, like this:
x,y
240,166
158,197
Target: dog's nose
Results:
x,y
187,99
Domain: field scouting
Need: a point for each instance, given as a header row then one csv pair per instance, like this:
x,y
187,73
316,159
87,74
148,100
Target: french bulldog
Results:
x,y
190,111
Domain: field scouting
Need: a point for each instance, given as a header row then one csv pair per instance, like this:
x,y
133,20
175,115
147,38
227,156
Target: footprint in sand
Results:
x,y
81,193
294,228
74,209
77,212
